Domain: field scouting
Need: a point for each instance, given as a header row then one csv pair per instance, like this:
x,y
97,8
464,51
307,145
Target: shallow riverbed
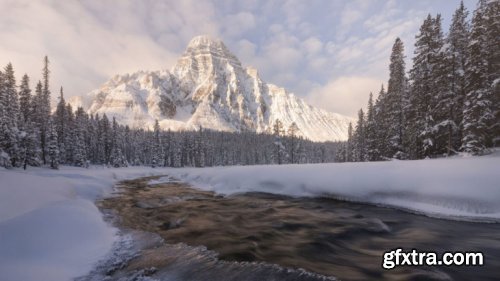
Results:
x,y
308,238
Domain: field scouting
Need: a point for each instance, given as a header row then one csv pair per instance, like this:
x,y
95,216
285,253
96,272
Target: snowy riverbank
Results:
x,y
458,187
50,228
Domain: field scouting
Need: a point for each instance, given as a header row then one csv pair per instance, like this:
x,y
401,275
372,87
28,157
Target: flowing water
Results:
x,y
180,233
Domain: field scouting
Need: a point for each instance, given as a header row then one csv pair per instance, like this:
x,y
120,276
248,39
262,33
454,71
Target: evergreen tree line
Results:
x,y
33,135
448,102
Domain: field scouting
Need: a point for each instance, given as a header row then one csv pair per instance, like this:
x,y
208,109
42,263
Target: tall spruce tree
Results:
x,y
425,87
478,113
279,148
360,154
25,100
349,145
79,130
394,102
370,132
52,147
456,56
492,21
10,135
380,124
156,150
61,123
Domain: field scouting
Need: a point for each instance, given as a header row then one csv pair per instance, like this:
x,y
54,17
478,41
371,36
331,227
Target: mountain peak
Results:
x,y
204,41
208,87
202,56
207,45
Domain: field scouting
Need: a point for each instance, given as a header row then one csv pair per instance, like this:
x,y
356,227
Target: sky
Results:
x,y
332,53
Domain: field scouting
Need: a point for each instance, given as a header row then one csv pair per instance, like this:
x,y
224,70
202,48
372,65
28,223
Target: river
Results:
x,y
176,232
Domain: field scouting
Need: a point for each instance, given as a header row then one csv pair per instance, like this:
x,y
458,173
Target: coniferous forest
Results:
x,y
33,134
448,102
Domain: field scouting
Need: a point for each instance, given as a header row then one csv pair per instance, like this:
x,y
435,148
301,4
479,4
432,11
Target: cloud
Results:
x,y
238,24
88,42
345,95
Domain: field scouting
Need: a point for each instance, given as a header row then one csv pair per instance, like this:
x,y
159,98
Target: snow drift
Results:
x,y
50,228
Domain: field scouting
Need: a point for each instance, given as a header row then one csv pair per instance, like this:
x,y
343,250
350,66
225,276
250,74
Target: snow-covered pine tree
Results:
x,y
79,127
370,132
293,147
28,136
25,100
116,158
43,105
199,149
360,138
425,87
279,148
30,150
9,137
104,140
4,156
61,123
69,138
380,126
52,147
349,148
156,146
478,115
451,103
394,102
492,20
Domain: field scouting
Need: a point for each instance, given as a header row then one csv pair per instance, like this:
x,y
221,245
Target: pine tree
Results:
x,y
29,146
52,147
293,132
156,150
79,126
279,148
42,108
349,145
370,132
451,103
492,21
116,158
394,102
25,100
425,88
380,146
60,120
360,154
478,104
9,138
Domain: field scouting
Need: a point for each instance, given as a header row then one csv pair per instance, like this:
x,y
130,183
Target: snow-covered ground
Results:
x,y
50,228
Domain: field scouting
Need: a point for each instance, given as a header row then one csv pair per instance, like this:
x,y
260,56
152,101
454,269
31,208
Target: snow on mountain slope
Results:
x,y
209,87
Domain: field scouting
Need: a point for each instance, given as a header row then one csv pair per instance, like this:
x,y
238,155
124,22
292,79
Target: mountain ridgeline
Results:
x,y
209,88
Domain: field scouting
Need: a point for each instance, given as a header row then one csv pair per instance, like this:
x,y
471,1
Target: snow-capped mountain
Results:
x,y
209,87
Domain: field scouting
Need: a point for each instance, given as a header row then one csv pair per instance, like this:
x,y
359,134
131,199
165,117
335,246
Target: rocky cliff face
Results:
x,y
209,87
